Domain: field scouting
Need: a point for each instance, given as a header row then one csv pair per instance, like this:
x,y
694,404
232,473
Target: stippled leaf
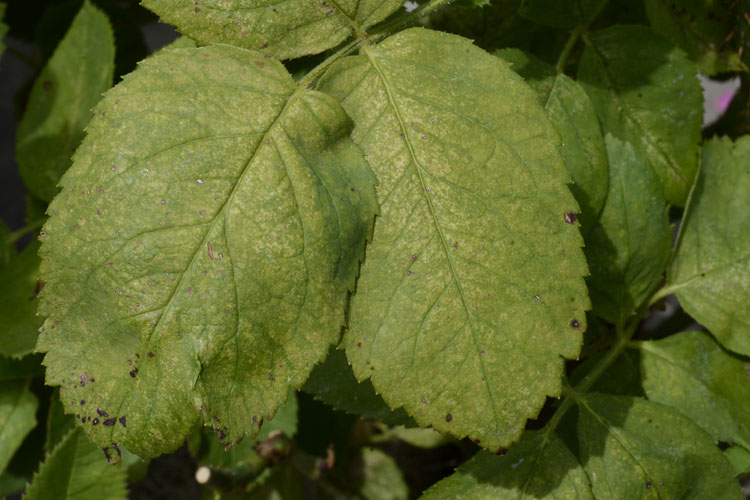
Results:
x,y
19,323
285,30
77,470
692,373
59,106
646,92
571,112
538,466
710,273
335,385
705,29
632,449
472,291
199,257
628,248
17,417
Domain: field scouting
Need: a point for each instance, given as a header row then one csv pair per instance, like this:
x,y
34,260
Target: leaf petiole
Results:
x,y
17,235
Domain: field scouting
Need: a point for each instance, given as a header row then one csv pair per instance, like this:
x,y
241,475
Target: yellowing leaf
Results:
x,y
200,254
283,29
472,291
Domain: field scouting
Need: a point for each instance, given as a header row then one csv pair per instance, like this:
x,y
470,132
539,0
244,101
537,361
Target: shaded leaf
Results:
x,y
419,437
538,466
538,74
334,383
633,448
17,417
690,372
374,475
76,469
19,323
646,92
284,30
222,217
710,273
628,248
60,102
27,366
702,28
471,294
7,249
59,423
561,13
739,457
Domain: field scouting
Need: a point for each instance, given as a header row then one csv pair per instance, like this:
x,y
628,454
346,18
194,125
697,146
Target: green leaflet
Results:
x,y
335,384
690,372
201,252
472,291
702,28
77,470
282,29
627,250
632,449
17,417
561,13
739,457
60,102
571,112
646,93
538,466
711,266
19,323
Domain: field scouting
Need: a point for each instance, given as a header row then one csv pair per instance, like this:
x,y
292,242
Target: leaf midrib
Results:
x,y
418,169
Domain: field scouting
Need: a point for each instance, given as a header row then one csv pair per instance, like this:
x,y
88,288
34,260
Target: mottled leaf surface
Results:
x,y
17,417
710,273
77,470
334,384
573,115
472,291
632,448
60,103
282,29
703,28
692,373
628,248
646,92
201,252
19,323
538,466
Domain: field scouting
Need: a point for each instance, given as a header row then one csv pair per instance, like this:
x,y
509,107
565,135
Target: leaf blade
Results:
x,y
17,417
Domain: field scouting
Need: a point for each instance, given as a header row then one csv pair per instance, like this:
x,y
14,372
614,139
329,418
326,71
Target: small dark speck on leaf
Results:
x,y
408,273
570,217
150,354
255,418
424,401
448,417
95,421
47,85
220,434
83,401
575,323
117,449
359,344
106,454
133,372
123,420
270,377
648,485
101,413
110,422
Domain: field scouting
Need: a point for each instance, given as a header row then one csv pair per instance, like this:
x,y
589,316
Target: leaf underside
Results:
x,y
282,29
710,270
472,291
201,252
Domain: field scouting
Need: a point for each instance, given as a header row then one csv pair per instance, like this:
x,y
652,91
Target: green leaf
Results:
x,y
58,422
571,112
284,30
471,294
538,466
646,92
633,448
17,417
627,250
739,457
76,469
376,475
711,268
690,372
334,384
419,437
18,303
60,102
7,248
561,13
702,28
201,253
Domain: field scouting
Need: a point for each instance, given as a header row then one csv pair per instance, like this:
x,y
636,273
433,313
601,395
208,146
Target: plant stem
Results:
x,y
17,235
567,49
